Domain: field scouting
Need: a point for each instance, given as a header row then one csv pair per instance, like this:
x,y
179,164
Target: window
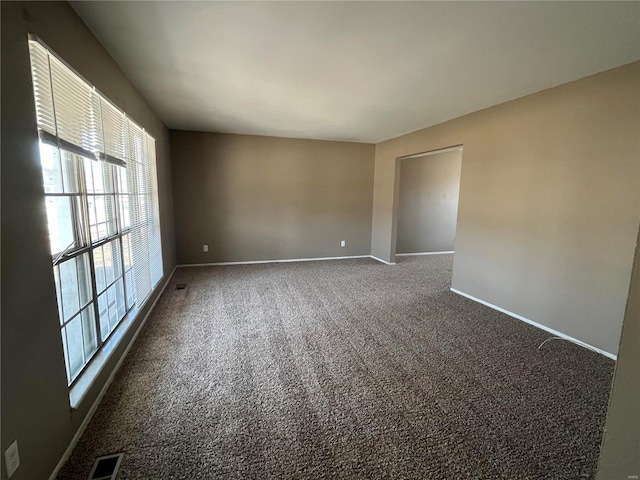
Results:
x,y
99,173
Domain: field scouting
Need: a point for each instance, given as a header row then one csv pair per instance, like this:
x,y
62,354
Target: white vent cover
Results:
x,y
106,468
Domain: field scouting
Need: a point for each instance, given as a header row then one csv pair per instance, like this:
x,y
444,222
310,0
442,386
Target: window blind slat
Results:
x,y
116,131
77,108
50,139
155,247
155,254
136,142
146,240
141,268
42,88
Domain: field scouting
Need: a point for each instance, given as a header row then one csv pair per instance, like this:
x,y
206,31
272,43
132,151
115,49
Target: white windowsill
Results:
x,y
81,387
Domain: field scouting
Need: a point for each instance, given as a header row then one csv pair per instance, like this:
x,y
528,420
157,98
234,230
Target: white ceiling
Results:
x,y
356,71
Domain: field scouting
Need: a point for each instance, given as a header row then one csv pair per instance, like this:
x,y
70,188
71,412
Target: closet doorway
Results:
x,y
428,202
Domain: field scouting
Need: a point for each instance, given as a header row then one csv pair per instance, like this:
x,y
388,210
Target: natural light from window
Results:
x,y
101,198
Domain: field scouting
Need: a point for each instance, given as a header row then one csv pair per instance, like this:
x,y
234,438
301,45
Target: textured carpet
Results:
x,y
345,369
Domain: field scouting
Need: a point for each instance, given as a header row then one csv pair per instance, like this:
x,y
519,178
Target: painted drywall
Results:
x,y
252,198
428,202
549,202
619,453
35,401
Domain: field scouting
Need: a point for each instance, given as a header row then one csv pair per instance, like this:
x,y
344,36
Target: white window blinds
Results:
x,y
139,181
42,88
115,126
77,109
155,247
73,116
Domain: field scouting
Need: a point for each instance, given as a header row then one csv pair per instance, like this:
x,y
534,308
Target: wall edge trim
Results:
x,y
380,260
536,324
428,153
85,422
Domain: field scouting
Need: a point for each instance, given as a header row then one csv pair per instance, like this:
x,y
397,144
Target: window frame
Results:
x,y
115,170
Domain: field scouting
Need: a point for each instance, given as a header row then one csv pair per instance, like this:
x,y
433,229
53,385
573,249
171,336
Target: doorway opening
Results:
x,y
429,189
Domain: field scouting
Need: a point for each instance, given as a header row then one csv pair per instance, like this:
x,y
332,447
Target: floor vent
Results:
x,y
106,468
181,286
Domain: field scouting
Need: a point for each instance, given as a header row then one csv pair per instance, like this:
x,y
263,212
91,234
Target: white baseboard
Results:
x,y
380,260
288,260
255,262
96,403
422,253
536,324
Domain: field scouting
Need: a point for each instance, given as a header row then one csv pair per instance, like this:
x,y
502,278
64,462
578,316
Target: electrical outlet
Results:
x,y
205,248
343,243
12,458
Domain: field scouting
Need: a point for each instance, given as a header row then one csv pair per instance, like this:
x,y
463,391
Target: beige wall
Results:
x,y
549,202
548,212
35,400
428,202
619,456
256,198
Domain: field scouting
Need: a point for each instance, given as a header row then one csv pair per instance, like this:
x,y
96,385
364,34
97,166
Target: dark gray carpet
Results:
x,y
345,369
